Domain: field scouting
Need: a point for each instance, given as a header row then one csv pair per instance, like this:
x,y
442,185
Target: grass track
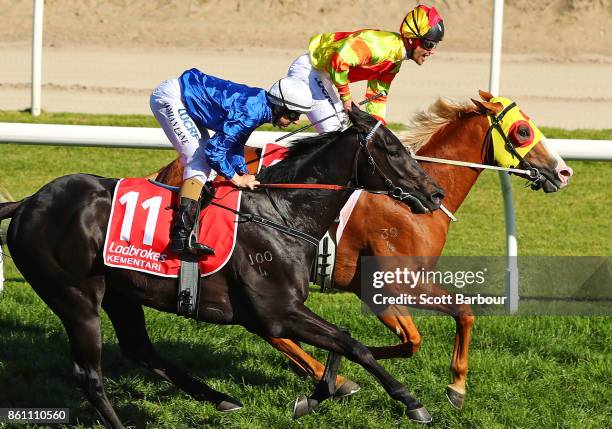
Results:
x,y
528,372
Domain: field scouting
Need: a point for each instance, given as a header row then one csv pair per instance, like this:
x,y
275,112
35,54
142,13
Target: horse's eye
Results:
x,y
394,153
521,134
524,132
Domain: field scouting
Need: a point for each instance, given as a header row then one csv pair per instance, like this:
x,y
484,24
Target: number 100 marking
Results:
x,y
261,257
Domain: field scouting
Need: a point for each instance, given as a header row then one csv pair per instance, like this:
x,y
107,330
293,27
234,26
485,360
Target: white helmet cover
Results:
x,y
292,94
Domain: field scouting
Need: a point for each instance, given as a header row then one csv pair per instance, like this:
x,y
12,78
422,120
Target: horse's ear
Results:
x,y
489,108
486,96
360,118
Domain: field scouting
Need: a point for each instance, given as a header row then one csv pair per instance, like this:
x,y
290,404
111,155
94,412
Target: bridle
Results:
x,y
394,191
532,173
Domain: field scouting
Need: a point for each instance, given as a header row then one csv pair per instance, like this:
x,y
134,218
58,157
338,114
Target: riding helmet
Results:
x,y
423,23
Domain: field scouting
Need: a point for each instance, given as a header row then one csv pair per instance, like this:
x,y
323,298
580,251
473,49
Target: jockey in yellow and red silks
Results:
x,y
337,59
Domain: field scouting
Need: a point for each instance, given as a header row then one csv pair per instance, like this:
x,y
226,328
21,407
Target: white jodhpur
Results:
x,y
324,97
190,142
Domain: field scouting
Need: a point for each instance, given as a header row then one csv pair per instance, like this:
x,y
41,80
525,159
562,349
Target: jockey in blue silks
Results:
x,y
189,106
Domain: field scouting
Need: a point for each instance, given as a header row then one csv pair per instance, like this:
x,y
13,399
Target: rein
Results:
x,y
316,186
393,191
470,164
302,186
531,172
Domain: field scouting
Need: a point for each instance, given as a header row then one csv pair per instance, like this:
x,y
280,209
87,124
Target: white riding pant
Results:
x,y
181,130
324,97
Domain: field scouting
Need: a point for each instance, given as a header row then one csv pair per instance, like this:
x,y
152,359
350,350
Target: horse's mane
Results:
x,y
425,123
298,153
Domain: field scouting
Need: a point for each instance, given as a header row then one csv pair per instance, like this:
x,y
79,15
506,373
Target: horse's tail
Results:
x,y
7,210
1,265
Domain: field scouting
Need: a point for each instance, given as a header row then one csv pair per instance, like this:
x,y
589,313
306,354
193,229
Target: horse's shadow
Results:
x,y
36,371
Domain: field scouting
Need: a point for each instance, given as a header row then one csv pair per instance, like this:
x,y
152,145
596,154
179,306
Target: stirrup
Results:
x,y
181,246
199,248
194,246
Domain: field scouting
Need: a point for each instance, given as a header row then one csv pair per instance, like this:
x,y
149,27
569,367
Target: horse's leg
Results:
x,y
86,344
304,325
311,366
464,321
79,310
396,318
325,388
455,392
129,323
401,323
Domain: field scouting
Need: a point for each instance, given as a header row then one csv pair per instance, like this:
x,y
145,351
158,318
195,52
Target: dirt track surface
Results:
x,y
106,56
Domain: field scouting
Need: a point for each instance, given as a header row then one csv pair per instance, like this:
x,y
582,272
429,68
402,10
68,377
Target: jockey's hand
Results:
x,y
347,105
245,181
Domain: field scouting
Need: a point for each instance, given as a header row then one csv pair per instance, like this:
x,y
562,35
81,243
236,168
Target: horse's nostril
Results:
x,y
437,197
564,175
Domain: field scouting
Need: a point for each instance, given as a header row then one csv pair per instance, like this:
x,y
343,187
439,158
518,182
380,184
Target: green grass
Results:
x,y
559,133
120,120
536,372
525,372
78,119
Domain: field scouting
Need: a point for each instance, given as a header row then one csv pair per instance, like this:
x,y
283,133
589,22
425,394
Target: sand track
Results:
x,y
106,56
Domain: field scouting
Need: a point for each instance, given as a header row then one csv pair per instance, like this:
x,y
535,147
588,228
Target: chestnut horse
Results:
x,y
449,131
56,239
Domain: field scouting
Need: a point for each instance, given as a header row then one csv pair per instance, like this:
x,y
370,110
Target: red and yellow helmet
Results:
x,y
423,23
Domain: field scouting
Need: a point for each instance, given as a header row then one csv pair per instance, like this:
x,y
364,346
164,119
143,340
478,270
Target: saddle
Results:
x,y
138,234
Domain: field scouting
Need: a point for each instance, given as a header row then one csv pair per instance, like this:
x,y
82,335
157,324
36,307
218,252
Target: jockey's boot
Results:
x,y
182,237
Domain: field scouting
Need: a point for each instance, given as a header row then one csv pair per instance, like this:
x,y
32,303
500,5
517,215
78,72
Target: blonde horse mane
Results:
x,y
425,123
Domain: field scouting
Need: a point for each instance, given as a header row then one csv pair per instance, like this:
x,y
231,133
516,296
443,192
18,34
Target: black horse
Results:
x,y
56,239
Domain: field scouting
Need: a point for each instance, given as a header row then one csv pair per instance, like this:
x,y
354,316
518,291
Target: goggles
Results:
x,y
428,44
292,115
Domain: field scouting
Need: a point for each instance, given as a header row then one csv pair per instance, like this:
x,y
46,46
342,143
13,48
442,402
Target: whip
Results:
x,y
305,127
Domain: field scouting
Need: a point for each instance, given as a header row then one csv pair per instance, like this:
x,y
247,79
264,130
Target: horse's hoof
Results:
x,y
229,404
347,389
455,398
303,405
419,415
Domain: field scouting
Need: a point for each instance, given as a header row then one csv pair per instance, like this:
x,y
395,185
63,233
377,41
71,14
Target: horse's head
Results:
x,y
383,162
518,143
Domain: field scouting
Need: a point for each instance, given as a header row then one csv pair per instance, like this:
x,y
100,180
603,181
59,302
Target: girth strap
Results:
x,y
249,217
267,191
188,287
